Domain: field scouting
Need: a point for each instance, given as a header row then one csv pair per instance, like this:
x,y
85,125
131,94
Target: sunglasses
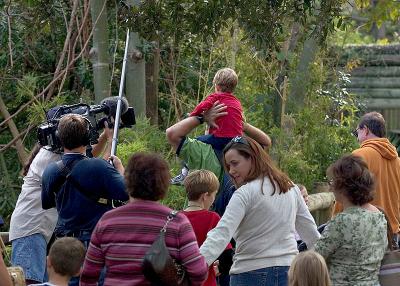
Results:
x,y
236,140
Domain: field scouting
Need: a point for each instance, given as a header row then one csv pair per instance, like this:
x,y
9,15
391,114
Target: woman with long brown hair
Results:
x,y
261,216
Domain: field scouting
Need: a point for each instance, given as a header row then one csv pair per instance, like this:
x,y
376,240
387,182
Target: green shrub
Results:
x,y
318,135
144,137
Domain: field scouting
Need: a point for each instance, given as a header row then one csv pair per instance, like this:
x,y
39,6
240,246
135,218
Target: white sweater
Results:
x,y
263,227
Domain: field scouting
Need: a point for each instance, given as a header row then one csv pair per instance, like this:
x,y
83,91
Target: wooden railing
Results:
x,y
320,206
5,237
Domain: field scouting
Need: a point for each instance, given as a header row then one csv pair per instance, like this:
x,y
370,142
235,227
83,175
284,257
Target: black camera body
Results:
x,y
47,132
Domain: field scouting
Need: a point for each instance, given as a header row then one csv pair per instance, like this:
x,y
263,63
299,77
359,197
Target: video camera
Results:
x,y
47,132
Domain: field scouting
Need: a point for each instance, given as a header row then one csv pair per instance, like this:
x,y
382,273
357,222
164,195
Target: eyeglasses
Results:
x,y
355,132
235,140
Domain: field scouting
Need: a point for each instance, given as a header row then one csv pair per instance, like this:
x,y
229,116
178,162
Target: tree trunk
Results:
x,y
99,53
288,46
152,75
299,83
135,76
234,45
22,155
135,86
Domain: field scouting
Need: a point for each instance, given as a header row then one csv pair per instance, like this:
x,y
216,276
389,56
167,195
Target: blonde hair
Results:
x,y
226,79
309,269
199,182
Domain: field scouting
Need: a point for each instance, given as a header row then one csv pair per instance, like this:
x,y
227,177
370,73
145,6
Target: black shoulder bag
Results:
x,y
158,265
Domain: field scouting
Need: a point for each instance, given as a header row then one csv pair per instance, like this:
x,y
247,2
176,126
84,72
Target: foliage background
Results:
x,y
195,39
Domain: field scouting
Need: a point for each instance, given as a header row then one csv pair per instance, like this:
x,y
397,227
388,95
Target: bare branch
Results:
x,y
22,155
66,45
9,33
9,144
57,77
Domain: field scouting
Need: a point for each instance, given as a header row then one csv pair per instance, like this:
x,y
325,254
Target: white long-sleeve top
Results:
x,y
28,216
263,227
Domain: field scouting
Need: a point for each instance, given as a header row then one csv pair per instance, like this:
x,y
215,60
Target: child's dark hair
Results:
x,y
199,182
66,256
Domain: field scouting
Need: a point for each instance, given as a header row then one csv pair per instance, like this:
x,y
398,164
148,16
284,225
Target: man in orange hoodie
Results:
x,y
383,161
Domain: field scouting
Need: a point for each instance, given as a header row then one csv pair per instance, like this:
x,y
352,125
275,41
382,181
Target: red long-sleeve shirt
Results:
x,y
202,222
230,125
123,236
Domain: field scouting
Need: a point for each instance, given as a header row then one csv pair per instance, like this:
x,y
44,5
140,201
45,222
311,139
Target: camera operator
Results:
x,y
82,189
31,226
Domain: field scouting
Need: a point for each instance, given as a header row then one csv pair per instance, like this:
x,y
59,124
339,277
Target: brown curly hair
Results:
x,y
351,176
147,177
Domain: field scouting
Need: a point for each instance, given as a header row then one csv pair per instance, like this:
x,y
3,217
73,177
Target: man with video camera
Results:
x,y
31,227
82,189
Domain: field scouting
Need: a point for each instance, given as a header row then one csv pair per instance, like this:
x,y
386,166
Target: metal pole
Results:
x,y
121,88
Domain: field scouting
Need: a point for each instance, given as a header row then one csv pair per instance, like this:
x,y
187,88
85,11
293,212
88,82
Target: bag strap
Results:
x,y
64,169
170,217
66,174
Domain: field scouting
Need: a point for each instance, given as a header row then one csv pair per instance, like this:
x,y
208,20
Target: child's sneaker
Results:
x,y
178,180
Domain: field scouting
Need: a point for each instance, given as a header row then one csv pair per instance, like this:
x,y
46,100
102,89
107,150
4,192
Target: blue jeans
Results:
x,y
270,276
218,143
29,252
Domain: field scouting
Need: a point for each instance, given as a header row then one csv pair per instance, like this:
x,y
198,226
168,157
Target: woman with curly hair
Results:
x,y
354,241
123,235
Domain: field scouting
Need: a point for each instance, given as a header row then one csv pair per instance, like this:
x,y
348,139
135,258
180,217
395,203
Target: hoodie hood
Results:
x,y
383,146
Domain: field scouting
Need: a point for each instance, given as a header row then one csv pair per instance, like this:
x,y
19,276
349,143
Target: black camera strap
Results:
x,y
66,173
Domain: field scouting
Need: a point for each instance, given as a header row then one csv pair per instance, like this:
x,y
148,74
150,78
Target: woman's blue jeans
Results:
x,y
270,276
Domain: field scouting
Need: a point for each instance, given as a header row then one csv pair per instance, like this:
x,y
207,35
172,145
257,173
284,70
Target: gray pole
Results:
x,y
121,89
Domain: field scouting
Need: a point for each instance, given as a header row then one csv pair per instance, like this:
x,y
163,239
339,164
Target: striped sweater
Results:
x,y
123,236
